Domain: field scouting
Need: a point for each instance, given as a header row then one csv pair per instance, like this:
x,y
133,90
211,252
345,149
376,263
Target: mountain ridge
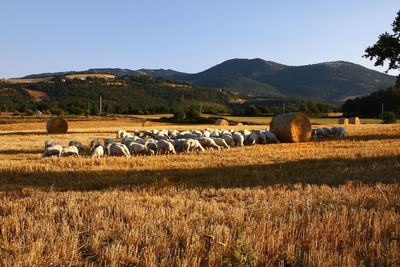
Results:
x,y
332,81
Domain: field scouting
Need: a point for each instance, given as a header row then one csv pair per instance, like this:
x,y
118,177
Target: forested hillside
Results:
x,y
332,82
131,94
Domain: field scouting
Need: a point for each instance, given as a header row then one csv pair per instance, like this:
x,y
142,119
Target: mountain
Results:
x,y
332,82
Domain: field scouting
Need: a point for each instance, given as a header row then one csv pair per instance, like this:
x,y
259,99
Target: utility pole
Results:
x,y
382,109
284,107
201,106
101,105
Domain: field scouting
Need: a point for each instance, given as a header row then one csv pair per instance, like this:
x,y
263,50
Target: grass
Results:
x,y
331,202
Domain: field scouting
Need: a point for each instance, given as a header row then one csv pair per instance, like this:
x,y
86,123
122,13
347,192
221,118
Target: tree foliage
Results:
x,y
387,48
371,105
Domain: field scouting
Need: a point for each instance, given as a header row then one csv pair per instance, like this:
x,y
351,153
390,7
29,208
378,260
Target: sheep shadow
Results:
x,y
21,151
49,134
332,172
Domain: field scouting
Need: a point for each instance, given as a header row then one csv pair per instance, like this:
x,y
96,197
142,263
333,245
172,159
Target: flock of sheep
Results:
x,y
327,132
159,142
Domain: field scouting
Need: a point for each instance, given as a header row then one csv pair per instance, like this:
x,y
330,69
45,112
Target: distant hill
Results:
x,y
332,82
121,94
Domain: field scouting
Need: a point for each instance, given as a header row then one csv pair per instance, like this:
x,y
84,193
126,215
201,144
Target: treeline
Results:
x,y
122,95
143,95
372,105
279,105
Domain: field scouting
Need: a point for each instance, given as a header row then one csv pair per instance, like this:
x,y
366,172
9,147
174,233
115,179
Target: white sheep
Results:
x,y
165,147
115,149
228,139
193,145
261,138
238,139
49,143
52,150
339,131
271,137
108,141
94,144
251,139
208,142
179,145
328,131
139,149
98,152
77,144
121,134
70,151
221,142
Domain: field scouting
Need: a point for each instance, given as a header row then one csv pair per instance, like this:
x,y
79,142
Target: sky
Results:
x,y
189,36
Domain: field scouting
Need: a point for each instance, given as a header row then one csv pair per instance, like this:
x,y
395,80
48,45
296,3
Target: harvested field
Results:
x,y
328,202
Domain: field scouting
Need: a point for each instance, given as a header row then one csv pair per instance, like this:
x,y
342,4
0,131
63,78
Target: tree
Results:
x,y
389,117
252,111
387,48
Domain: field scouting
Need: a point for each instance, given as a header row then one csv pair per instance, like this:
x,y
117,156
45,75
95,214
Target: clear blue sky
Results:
x,y
189,36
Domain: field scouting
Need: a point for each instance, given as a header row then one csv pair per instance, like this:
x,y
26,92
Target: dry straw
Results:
x,y
291,127
354,120
57,125
343,121
222,122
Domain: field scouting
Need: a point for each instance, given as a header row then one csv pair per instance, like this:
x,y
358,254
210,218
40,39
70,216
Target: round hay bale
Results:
x,y
146,123
343,121
238,124
57,125
291,127
222,122
354,120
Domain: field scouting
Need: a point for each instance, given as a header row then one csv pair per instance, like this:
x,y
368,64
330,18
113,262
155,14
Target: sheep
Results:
x,y
165,147
261,138
245,132
147,133
271,137
136,132
193,145
152,145
49,143
77,144
161,137
139,149
52,150
121,134
115,149
108,141
339,131
208,142
322,132
179,145
98,152
314,132
206,133
238,139
328,131
94,144
228,139
251,139
221,142
70,151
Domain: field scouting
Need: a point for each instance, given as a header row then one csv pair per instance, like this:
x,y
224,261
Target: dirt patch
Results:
x,y
37,95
